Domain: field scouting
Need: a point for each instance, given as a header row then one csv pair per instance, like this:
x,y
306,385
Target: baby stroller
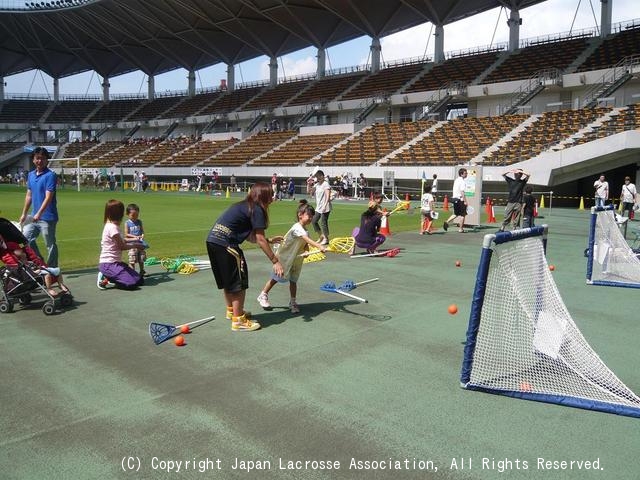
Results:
x,y
24,274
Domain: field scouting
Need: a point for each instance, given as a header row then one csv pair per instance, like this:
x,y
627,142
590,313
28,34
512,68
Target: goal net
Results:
x,y
522,341
610,260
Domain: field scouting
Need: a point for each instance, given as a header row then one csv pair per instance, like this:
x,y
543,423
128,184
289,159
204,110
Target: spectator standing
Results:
x,y
274,185
362,186
291,189
434,187
41,197
459,200
310,182
602,191
516,186
528,207
322,192
628,197
112,181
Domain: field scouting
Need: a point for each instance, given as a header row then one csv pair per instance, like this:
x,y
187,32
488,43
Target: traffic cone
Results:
x,y
492,214
541,201
228,195
384,224
445,205
487,207
581,207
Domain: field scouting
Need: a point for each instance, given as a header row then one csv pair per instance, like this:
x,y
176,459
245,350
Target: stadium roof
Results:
x,y
114,37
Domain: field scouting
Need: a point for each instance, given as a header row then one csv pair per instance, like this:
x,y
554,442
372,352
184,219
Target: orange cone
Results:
x,y
445,205
535,209
384,224
488,207
492,214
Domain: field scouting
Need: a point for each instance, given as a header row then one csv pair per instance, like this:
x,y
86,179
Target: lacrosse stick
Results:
x,y
161,332
400,206
336,245
331,288
349,285
383,253
314,257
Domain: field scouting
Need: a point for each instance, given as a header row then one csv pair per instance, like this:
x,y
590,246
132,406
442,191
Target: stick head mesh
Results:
x,y
348,285
341,244
160,332
328,287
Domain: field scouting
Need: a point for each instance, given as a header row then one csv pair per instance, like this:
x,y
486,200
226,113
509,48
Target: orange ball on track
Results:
x,y
453,309
185,329
458,263
179,340
552,267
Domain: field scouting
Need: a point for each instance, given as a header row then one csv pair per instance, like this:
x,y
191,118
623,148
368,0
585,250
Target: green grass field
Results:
x,y
175,223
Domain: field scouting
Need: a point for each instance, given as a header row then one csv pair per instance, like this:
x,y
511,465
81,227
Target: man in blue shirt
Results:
x,y
41,196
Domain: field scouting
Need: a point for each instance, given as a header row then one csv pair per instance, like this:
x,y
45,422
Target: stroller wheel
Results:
x,y
6,307
25,299
66,300
49,308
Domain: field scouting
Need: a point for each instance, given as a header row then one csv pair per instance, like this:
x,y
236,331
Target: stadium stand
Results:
x,y
536,57
386,81
192,105
613,50
464,68
547,130
71,111
23,111
276,96
326,89
195,153
116,110
300,149
155,108
232,100
250,148
457,141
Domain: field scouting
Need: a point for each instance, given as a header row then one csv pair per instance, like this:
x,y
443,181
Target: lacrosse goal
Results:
x,y
610,259
521,340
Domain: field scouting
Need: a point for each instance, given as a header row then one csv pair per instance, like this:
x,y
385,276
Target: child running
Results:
x,y
426,210
134,232
295,242
111,267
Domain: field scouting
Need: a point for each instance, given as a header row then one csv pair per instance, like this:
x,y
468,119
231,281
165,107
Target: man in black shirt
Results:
x,y
516,185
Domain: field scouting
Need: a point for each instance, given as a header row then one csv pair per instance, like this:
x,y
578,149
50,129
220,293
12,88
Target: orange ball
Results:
x,y
179,341
453,309
552,267
458,263
185,329
525,386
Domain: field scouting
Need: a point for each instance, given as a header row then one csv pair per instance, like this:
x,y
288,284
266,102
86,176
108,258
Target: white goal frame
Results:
x,y
521,340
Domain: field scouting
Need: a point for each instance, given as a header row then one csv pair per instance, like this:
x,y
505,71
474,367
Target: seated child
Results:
x,y
369,236
13,253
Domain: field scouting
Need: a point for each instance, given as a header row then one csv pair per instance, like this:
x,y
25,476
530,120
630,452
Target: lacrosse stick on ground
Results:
x,y
382,253
336,245
331,288
161,332
349,285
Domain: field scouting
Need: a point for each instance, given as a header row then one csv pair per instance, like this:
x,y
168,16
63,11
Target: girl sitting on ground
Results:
x,y
111,267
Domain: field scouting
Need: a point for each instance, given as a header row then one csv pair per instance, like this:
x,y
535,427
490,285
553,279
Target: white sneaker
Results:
x,y
263,300
102,281
293,306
